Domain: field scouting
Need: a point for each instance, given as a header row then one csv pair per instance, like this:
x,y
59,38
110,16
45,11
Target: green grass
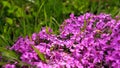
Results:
x,y
22,17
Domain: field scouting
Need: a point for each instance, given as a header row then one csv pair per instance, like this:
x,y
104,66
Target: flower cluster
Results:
x,y
86,41
9,66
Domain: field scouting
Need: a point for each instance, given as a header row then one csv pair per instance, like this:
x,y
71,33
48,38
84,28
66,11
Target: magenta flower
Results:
x,y
10,66
86,41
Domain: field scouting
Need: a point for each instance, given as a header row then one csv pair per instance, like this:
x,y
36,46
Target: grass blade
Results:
x,y
41,55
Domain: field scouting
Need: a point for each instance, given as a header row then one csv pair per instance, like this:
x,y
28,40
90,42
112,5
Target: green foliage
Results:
x,y
24,17
8,54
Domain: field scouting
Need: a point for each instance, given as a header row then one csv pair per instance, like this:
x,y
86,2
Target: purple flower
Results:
x,y
10,66
86,41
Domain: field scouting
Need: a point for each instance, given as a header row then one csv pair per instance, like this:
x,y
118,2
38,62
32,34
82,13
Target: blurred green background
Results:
x,y
24,17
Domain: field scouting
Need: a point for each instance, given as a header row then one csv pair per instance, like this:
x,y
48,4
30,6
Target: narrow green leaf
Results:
x,y
9,21
6,3
37,13
9,54
41,55
3,63
84,26
3,41
55,21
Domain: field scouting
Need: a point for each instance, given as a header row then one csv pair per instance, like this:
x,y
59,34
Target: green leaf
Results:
x,y
84,26
3,41
47,30
9,54
41,55
19,12
6,3
9,21
3,63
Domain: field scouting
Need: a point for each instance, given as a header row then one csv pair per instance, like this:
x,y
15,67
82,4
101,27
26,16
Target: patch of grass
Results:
x,y
23,17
